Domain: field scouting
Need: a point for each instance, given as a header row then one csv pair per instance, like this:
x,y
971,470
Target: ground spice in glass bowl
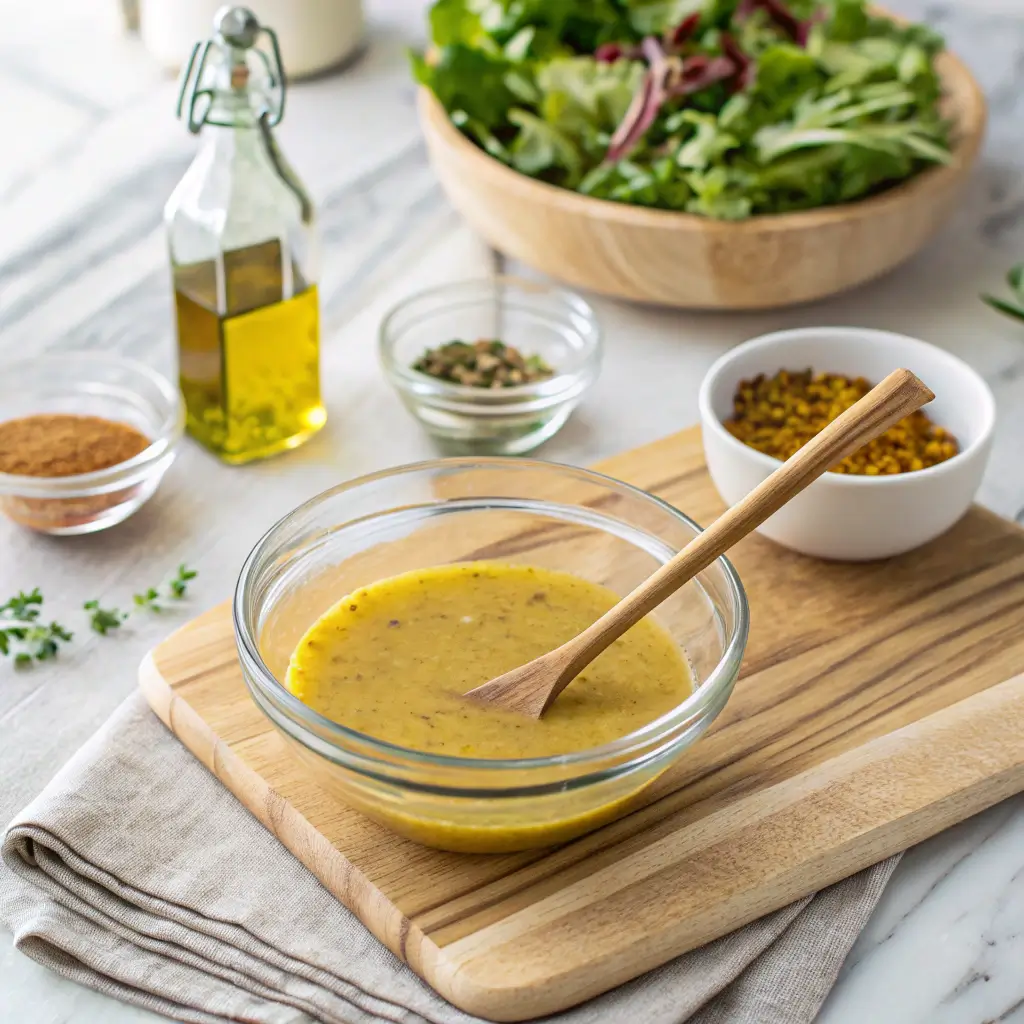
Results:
x,y
778,415
85,440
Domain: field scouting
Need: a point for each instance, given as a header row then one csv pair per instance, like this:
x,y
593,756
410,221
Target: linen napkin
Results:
x,y
136,873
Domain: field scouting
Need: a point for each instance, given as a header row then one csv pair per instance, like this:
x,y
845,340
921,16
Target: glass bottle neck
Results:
x,y
238,97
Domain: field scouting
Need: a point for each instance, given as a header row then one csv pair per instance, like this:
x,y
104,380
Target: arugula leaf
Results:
x,y
653,17
848,21
469,80
720,193
707,144
454,22
540,146
584,101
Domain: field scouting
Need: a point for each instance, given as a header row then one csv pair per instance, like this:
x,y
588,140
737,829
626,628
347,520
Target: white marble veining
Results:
x,y
90,152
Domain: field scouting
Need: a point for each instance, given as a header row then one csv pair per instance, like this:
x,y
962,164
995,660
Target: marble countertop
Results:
x,y
91,152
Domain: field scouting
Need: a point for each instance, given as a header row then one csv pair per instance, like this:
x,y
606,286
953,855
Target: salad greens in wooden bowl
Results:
x,y
747,154
721,108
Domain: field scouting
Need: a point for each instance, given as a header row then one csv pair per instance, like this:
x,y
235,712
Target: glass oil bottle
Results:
x,y
243,250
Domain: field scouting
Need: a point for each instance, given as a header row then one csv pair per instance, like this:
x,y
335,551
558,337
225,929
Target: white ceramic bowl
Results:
x,y
841,516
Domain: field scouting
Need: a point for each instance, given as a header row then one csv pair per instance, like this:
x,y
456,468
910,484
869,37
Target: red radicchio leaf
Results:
x,y
652,50
646,103
796,29
745,66
665,77
699,72
608,53
639,117
683,31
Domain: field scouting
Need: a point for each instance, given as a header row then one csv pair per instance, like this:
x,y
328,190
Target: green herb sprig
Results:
x,y
23,635
151,598
103,620
1015,279
29,640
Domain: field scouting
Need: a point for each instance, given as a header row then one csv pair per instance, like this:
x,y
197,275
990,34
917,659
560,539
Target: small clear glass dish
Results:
x,y
457,510
90,384
537,319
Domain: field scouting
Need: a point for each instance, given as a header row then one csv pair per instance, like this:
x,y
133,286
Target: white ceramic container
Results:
x,y
314,34
841,516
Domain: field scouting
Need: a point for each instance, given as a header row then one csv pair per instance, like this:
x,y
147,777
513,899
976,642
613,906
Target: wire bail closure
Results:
x,y
236,31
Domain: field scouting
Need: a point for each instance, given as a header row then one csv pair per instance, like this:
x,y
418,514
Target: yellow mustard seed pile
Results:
x,y
779,415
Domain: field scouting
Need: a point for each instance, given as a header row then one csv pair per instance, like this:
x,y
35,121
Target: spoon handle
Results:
x,y
900,394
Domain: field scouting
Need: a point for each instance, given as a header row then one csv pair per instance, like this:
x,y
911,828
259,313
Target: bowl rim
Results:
x,y
709,419
583,367
964,148
704,697
166,437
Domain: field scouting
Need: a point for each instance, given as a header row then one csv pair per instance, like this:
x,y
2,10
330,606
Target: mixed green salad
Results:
x,y
726,108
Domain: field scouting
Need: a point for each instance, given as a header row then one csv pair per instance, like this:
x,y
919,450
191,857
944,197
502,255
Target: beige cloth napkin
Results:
x,y
136,873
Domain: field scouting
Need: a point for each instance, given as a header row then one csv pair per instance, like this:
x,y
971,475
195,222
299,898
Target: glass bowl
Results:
x,y
458,510
90,384
535,318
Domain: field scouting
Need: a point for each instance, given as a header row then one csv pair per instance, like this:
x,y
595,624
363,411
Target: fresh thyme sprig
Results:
x,y
23,635
28,639
176,587
103,620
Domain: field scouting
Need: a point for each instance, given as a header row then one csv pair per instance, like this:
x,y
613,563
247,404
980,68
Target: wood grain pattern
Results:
x,y
878,705
683,260
530,688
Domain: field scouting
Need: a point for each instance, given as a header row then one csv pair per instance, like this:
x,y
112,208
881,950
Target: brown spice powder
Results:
x,y
64,444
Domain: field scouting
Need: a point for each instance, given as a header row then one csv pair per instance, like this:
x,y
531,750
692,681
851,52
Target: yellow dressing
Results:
x,y
393,659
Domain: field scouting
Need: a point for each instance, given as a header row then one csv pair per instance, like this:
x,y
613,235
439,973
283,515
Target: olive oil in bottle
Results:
x,y
242,247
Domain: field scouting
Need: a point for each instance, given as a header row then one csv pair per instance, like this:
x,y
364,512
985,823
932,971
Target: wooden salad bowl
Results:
x,y
692,262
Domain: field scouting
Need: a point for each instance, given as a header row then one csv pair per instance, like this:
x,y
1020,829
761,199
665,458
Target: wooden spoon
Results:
x,y
532,687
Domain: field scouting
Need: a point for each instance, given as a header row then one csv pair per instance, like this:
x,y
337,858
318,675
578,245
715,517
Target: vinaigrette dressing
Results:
x,y
393,661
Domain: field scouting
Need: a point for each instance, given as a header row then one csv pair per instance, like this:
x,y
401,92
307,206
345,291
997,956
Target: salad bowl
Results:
x,y
693,262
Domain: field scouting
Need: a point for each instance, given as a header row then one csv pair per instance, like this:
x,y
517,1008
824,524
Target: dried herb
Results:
x,y
482,364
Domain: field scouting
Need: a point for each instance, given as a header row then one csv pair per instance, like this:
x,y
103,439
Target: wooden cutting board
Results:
x,y
878,705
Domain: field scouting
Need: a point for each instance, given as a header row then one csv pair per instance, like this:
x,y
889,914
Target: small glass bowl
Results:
x,y
90,384
535,318
458,510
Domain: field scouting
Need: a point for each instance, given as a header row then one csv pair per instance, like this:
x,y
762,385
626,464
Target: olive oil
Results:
x,y
250,377
243,255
